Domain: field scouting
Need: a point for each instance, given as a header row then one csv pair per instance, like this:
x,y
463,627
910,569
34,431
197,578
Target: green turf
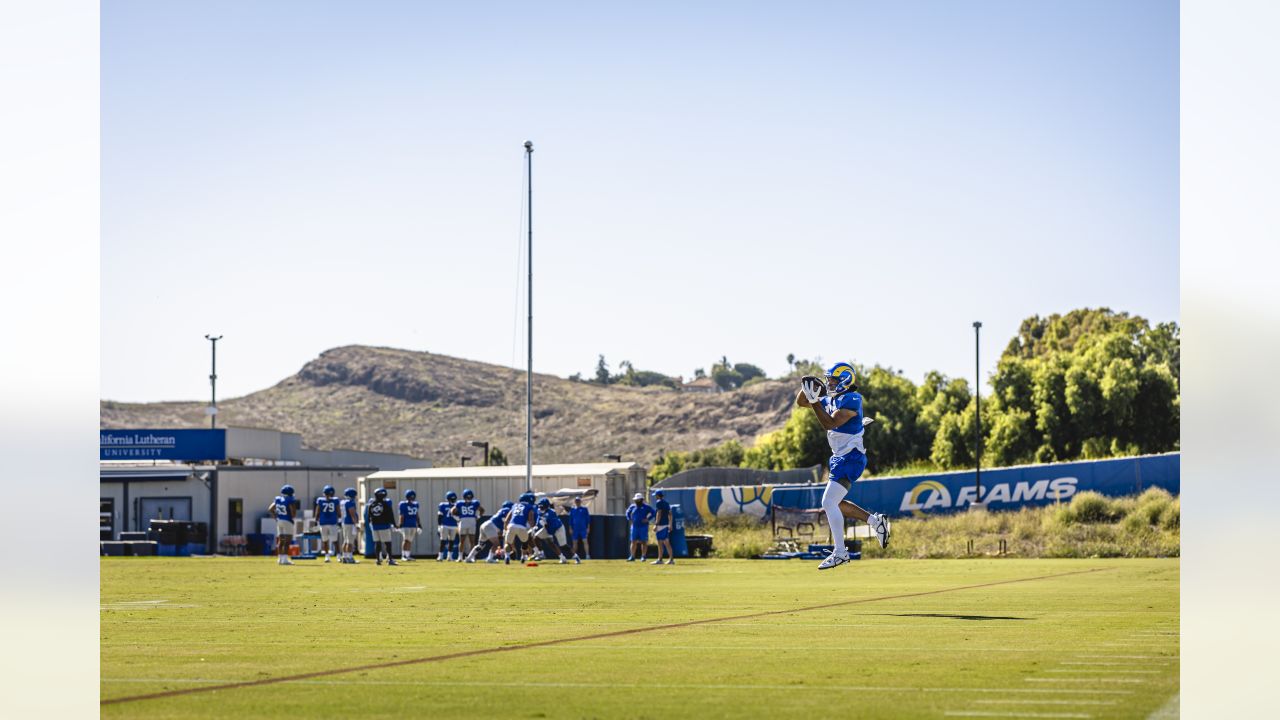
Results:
x,y
1099,644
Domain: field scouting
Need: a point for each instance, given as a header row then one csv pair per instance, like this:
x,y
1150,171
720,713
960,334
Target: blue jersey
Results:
x,y
282,505
350,512
579,520
847,437
639,515
446,518
520,514
549,520
409,514
499,518
663,513
328,514
379,514
468,508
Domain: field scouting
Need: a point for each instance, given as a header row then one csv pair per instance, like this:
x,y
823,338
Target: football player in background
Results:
x,y
283,508
326,512
491,534
518,522
551,530
448,526
662,527
580,528
381,517
468,511
350,525
639,514
410,523
839,411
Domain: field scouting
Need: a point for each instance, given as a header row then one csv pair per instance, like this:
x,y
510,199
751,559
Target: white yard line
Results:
x,y
1132,657
1084,680
1110,671
638,686
1110,664
1020,701
997,714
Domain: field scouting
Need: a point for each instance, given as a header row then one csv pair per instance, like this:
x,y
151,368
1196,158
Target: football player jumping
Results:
x,y
838,407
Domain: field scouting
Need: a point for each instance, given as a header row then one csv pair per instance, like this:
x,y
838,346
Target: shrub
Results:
x,y
1171,518
1090,507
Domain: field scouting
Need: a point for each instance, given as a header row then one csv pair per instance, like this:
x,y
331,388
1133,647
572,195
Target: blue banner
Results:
x,y
1002,489
183,445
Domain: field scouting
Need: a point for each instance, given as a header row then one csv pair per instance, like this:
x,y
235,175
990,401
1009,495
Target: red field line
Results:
x,y
576,638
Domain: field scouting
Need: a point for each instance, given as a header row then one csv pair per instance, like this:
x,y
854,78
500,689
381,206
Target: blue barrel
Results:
x,y
678,543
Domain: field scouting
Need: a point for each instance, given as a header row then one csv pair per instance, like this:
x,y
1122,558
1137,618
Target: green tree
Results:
x,y
602,372
898,436
496,456
748,372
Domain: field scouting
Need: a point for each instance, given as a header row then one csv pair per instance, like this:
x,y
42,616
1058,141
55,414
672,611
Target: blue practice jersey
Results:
x,y
549,520
848,436
663,513
499,518
520,514
328,514
282,505
446,517
350,512
379,514
409,514
639,515
468,508
579,519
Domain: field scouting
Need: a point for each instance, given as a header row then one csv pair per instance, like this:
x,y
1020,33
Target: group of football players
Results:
x,y
528,528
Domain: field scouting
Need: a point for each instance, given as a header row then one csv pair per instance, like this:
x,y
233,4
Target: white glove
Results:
x,y
813,388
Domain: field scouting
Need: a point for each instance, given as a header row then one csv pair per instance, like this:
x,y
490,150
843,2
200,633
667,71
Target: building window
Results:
x,y
107,518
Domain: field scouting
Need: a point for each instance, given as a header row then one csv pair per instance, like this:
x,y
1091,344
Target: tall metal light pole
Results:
x,y
528,386
977,397
213,380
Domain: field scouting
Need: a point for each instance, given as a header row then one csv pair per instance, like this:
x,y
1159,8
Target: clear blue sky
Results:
x,y
849,180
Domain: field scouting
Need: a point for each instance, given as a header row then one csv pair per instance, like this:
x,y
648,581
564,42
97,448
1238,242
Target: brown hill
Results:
x,y
383,399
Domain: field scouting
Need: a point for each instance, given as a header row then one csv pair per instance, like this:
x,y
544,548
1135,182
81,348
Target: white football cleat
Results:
x,y
833,560
882,530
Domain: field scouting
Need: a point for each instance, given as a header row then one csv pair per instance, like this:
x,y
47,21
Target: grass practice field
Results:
x,y
243,637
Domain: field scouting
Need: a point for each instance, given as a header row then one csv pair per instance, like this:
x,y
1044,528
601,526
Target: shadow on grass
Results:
x,y
954,617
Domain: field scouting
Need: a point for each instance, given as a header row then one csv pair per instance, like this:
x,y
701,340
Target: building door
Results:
x,y
107,519
235,516
163,508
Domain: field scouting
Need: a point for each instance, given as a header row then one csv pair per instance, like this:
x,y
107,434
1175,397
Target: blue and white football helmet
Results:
x,y
451,496
840,377
286,490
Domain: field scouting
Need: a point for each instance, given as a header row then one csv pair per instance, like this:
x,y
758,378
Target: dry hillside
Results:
x,y
373,398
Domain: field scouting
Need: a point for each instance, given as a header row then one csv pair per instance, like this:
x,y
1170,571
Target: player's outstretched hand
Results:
x,y
813,388
801,400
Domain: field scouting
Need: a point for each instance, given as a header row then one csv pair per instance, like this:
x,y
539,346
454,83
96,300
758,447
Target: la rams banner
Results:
x,y
709,502
1002,489
182,445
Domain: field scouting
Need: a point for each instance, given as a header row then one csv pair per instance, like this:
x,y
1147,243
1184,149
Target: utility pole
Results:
x,y
213,381
528,387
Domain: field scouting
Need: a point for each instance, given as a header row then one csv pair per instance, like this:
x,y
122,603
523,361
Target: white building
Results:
x,y
615,484
224,478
